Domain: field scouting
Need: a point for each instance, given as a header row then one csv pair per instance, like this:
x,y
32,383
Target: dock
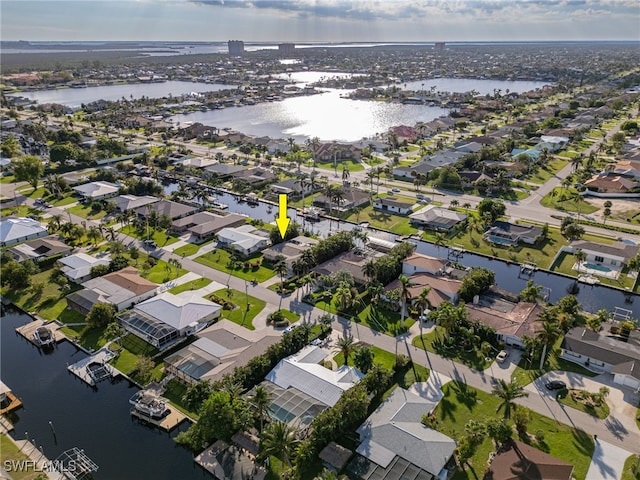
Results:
x,y
588,279
28,330
8,403
168,423
528,268
94,368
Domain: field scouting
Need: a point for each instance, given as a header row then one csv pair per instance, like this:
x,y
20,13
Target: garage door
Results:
x,y
627,381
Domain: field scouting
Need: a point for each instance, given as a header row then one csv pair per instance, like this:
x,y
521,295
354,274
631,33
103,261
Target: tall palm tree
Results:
x,y
547,336
345,344
55,221
422,302
281,269
279,440
338,195
329,191
405,295
261,401
369,269
345,174
508,392
94,234
439,240
532,292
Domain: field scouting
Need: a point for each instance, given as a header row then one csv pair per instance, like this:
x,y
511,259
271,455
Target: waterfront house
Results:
x,y
419,263
351,198
122,289
393,441
125,203
77,267
164,319
40,249
293,189
351,262
602,353
96,191
243,239
253,176
220,349
392,205
290,250
516,460
604,260
204,225
173,210
440,289
223,170
437,218
20,229
511,234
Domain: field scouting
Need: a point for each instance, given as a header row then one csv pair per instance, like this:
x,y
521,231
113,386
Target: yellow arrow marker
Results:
x,y
283,220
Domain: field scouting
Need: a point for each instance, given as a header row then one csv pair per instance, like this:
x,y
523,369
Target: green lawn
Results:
x,y
20,211
565,262
162,272
394,223
462,403
352,165
292,317
64,201
192,285
600,412
221,260
9,452
158,236
240,315
560,199
526,372
544,174
7,178
174,392
85,211
431,342
187,250
631,470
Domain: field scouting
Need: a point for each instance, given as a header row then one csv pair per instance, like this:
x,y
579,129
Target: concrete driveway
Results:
x,y
607,462
503,371
622,401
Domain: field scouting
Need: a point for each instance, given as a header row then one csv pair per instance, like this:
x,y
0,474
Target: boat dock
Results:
x,y
8,401
28,331
168,423
94,368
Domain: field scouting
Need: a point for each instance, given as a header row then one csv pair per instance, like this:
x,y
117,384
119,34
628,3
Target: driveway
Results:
x,y
607,462
503,371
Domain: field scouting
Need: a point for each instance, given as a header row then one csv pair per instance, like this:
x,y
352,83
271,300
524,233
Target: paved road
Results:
x,y
607,462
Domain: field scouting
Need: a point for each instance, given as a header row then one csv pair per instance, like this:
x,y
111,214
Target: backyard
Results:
x,y
462,403
564,264
248,269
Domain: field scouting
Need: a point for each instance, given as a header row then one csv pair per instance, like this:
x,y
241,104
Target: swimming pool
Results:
x,y
599,268
500,240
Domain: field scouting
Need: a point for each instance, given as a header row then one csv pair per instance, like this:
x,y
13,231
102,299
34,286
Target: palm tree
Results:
x,y
281,269
547,336
422,302
261,401
576,162
329,475
508,392
279,440
338,195
580,256
405,295
329,191
345,174
94,234
439,241
345,344
369,269
532,292
55,222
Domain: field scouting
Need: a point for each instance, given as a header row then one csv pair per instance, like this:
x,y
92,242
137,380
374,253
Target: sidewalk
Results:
x,y
607,462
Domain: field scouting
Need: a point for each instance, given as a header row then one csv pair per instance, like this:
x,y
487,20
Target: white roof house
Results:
x,y
77,267
303,372
130,202
97,190
20,229
242,239
180,311
395,430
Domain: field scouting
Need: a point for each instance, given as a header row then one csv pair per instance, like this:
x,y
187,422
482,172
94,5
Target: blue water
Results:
x,y
593,266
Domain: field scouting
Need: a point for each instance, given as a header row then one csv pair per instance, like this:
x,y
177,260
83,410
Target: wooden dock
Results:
x,y
167,423
14,403
28,330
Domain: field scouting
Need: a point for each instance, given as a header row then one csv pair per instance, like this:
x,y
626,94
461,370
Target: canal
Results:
x,y
95,420
508,277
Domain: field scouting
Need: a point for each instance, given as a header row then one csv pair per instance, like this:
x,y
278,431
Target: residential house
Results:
x,y
275,146
351,198
173,210
602,353
351,262
204,225
604,260
440,289
392,205
470,178
164,319
96,190
220,349
510,320
77,267
243,239
604,183
254,176
428,163
511,234
293,189
437,218
334,457
290,250
20,229
395,444
40,249
626,168
125,203
223,170
122,289
518,461
301,388
419,263
337,151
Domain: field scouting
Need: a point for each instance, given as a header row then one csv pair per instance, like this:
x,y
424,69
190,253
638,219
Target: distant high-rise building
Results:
x,y
236,47
439,46
286,48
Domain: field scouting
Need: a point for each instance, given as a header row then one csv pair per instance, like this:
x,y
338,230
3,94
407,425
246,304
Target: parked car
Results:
x,y
502,356
395,190
150,243
556,385
420,196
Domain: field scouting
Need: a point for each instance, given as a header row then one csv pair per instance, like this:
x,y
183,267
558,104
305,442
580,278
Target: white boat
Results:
x,y
311,213
149,404
44,336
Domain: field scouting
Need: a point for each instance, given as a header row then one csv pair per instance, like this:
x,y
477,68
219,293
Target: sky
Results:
x,y
320,20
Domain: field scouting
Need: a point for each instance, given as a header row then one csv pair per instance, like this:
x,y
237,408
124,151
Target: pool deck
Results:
x,y
102,356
